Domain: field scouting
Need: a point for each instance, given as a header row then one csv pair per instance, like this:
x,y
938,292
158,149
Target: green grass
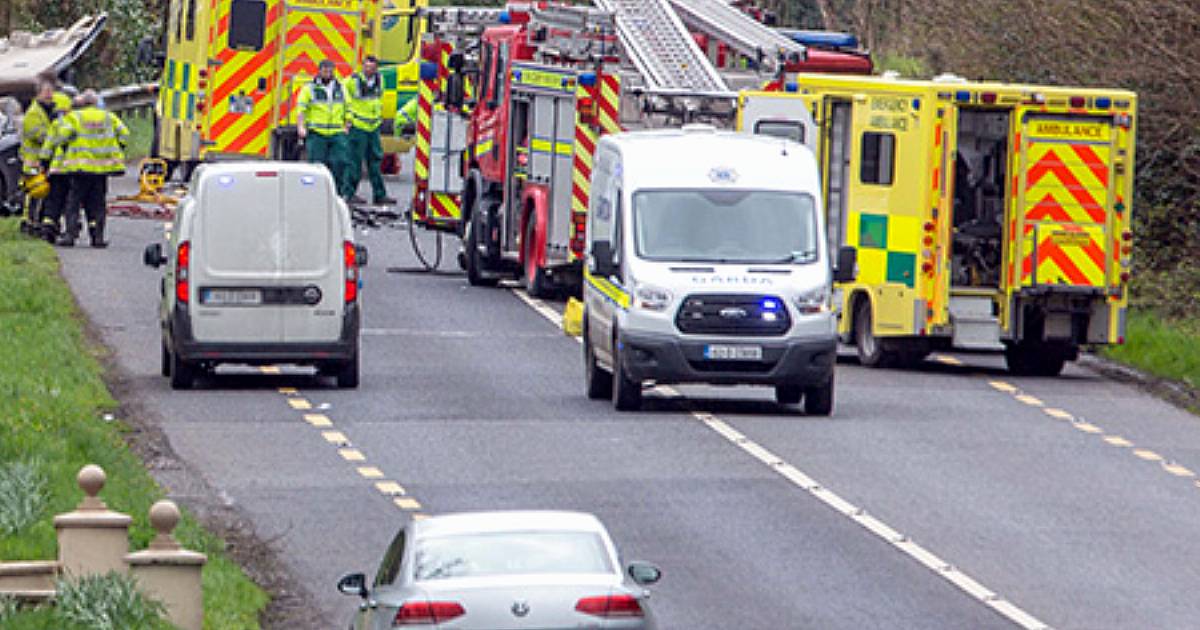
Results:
x,y
141,131
52,402
1166,348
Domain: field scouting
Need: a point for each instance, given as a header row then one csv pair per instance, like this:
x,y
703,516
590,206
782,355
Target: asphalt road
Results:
x,y
953,496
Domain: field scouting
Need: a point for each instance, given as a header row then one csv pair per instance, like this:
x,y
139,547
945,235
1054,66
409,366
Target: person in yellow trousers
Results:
x,y
47,107
93,148
366,115
322,122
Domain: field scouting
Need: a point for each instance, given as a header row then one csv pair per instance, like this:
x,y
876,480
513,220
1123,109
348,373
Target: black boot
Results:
x,y
67,241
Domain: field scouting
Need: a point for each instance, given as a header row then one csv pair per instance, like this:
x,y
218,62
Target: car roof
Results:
x,y
507,521
237,167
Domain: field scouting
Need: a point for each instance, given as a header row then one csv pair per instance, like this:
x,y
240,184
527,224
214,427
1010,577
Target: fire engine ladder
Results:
x,y
749,37
661,47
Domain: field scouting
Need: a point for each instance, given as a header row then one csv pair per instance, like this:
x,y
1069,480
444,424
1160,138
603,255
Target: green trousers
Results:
x,y
329,150
364,148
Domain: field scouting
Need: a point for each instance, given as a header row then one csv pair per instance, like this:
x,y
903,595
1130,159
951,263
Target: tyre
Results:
x,y
599,381
165,368
818,401
183,373
869,347
788,394
347,373
537,285
626,392
474,262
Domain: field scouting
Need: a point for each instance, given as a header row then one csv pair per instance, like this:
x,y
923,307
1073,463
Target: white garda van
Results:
x,y
261,268
708,262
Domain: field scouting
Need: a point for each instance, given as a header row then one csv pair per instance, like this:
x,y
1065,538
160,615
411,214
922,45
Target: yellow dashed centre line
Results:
x,y
370,472
1058,413
335,437
1007,388
299,404
407,503
1178,470
318,420
1087,427
352,455
288,391
1030,400
1117,440
390,488
1147,455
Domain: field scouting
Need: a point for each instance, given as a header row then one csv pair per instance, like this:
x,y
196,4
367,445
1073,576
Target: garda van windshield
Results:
x,y
725,226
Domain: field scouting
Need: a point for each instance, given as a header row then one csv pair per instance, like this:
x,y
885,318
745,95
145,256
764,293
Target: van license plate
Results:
x,y
231,297
733,353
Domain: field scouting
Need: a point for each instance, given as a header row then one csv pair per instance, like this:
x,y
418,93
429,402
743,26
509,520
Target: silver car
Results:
x,y
497,570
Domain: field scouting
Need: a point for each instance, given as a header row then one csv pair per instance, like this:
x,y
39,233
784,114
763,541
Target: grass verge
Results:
x,y
1163,347
141,131
52,408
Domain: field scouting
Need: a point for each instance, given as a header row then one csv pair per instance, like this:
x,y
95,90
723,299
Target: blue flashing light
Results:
x,y
1103,102
962,96
916,104
791,86
770,305
505,17
429,71
516,74
587,79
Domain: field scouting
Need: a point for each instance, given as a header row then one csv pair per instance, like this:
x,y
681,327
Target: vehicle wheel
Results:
x,y
474,263
537,285
788,394
869,347
347,373
1031,360
599,380
626,392
165,368
183,373
818,401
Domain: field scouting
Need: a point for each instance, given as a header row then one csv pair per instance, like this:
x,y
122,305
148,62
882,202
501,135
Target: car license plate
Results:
x,y
733,353
232,297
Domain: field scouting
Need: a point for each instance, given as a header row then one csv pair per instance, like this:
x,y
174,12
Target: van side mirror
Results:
x,y
353,584
153,256
360,255
644,573
602,259
847,265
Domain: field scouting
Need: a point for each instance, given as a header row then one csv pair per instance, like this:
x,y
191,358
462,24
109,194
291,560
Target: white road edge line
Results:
x,y
943,569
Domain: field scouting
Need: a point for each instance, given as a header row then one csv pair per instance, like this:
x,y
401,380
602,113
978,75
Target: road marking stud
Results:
x,y
288,391
1117,440
1178,470
370,472
1088,427
407,503
390,487
352,454
335,437
1030,400
1148,455
1058,413
299,403
1007,388
270,369
318,419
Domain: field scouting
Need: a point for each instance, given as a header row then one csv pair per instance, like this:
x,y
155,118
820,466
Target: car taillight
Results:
x,y
610,606
351,262
182,286
425,613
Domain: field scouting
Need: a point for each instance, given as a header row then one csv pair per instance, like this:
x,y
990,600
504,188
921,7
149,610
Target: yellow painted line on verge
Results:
x,y
947,360
288,391
270,369
1007,388
335,437
318,420
299,404
1030,400
1147,455
1058,413
1117,440
370,472
1178,470
352,454
407,503
390,487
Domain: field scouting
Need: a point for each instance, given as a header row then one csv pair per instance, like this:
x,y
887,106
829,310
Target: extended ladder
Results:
x,y
743,33
661,47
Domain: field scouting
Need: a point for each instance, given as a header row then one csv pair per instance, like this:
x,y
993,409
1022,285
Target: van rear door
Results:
x,y
1065,200
312,233
781,114
236,254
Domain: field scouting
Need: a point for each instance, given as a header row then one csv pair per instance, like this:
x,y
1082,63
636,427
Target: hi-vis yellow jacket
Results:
x,y
93,141
324,107
366,101
36,128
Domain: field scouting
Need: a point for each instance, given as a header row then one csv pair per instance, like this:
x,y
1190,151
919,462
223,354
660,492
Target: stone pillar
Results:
x,y
168,572
92,539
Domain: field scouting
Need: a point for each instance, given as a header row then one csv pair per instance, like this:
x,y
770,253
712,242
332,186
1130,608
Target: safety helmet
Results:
x,y
36,186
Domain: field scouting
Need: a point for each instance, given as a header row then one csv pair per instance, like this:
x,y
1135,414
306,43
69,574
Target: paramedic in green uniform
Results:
x,y
323,121
365,90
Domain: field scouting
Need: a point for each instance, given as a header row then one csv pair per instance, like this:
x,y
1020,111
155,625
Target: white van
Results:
x,y
261,268
707,262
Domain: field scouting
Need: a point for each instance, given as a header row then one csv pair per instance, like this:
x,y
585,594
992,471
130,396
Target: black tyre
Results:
x,y
347,373
474,262
788,394
626,392
818,401
536,283
870,348
165,368
599,381
183,373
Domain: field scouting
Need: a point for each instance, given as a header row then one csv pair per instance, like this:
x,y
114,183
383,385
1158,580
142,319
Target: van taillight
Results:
x,y
350,259
182,258
610,606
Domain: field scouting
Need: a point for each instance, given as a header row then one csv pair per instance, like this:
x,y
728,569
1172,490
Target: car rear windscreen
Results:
x,y
510,553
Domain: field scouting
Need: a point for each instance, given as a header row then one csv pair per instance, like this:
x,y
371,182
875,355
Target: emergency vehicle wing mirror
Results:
x,y
602,259
847,265
153,256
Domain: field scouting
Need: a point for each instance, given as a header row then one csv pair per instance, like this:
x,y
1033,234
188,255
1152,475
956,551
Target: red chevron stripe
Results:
x,y
307,28
1052,164
1048,207
252,133
342,27
1093,162
1049,250
1096,254
228,84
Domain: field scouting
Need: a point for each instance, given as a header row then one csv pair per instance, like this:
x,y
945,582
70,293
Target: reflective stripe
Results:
x,y
614,292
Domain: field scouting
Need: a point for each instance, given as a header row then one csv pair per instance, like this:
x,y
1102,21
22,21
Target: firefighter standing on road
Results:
x,y
93,143
322,111
48,106
366,115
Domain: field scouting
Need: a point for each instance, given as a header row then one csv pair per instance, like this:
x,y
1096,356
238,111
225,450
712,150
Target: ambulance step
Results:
x,y
661,47
975,325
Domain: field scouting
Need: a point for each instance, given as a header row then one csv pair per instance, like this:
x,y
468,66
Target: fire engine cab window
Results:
x,y
247,24
787,129
878,158
485,82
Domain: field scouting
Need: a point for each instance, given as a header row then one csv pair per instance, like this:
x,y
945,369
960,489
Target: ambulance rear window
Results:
x,y
247,24
878,158
787,129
